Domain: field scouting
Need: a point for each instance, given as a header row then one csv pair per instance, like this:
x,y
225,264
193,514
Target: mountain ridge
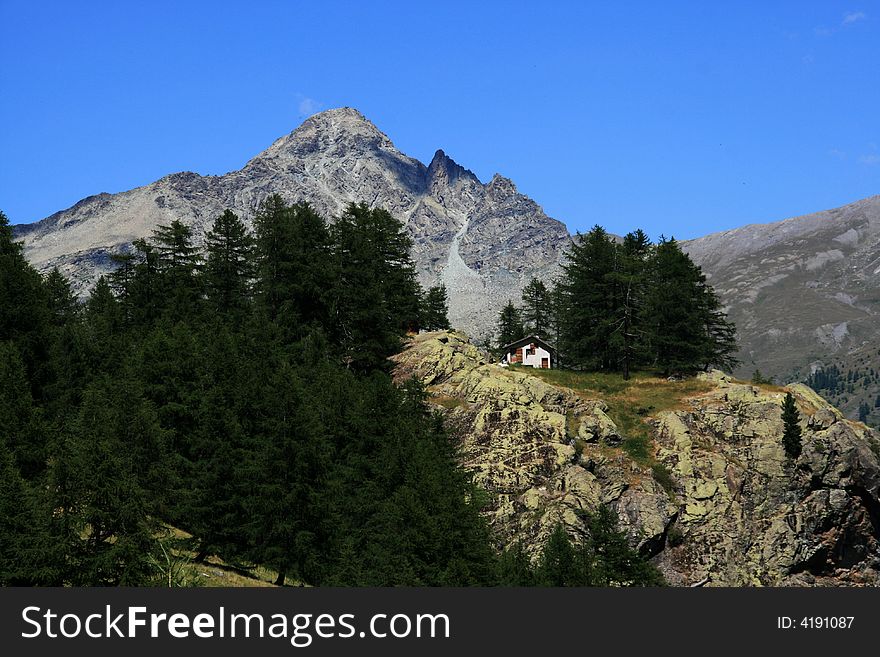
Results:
x,y
464,231
802,291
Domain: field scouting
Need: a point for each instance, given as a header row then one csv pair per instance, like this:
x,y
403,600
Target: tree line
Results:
x,y
620,305
241,392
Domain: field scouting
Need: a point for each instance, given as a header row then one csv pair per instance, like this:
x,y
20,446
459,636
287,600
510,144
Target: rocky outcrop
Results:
x,y
730,508
484,241
750,515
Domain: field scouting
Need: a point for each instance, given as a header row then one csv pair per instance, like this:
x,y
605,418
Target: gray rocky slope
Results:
x,y
804,293
483,240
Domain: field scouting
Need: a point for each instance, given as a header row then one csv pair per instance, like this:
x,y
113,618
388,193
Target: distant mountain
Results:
x,y
483,241
805,295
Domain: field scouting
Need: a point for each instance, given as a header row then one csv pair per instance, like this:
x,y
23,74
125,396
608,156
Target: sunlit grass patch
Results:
x,y
630,402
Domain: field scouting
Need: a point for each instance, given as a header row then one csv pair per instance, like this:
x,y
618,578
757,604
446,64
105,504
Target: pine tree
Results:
x,y
296,271
375,295
22,561
435,309
535,310
557,565
108,470
25,316
20,427
791,435
510,325
629,279
606,558
178,261
292,457
673,318
719,338
588,299
62,302
229,264
271,225
515,567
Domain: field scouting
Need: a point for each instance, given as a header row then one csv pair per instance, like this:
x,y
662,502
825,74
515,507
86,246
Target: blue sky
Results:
x,y
679,117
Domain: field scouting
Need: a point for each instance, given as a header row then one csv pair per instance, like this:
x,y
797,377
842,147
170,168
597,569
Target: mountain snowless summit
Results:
x,y
802,292
482,240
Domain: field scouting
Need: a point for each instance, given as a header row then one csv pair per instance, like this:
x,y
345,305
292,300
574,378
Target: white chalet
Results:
x,y
531,351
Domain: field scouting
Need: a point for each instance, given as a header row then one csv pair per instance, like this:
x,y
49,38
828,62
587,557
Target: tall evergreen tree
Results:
x,y
510,325
557,565
20,419
296,270
229,266
587,295
674,321
107,471
293,458
435,308
630,280
179,261
22,527
62,302
515,567
24,308
376,295
791,433
536,308
719,336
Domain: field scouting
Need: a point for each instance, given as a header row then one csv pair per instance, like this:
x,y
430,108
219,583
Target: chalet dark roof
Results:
x,y
529,339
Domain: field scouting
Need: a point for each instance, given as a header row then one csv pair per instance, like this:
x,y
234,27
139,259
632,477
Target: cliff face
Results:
x,y
716,500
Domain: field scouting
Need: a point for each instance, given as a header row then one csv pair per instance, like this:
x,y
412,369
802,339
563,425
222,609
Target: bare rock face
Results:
x,y
737,511
752,516
518,437
484,241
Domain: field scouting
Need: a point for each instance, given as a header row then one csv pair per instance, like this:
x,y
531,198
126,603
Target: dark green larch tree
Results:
x,y
107,473
435,309
21,425
791,431
292,455
62,302
673,316
558,560
375,295
510,325
536,308
25,316
23,529
295,267
179,261
229,265
629,279
588,298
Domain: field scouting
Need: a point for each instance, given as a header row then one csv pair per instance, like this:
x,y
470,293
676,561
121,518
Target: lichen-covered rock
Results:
x,y
518,437
735,510
752,516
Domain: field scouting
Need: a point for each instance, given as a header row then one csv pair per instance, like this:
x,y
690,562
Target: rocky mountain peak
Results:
x,y
332,131
443,171
500,186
